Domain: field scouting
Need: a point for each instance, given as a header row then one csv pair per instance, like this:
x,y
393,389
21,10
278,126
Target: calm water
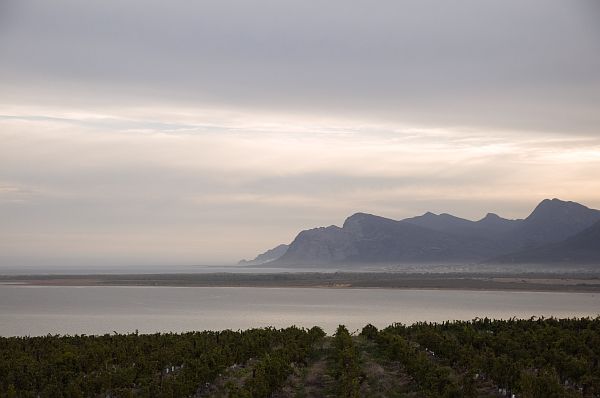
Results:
x,y
28,310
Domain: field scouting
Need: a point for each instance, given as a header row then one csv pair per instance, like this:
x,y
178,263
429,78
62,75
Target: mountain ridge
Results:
x,y
437,238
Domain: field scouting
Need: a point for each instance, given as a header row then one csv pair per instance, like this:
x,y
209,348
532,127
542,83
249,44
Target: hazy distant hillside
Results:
x,y
491,226
582,248
432,238
366,238
553,221
269,255
440,222
324,245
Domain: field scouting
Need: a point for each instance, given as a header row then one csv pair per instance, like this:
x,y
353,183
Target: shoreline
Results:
x,y
475,282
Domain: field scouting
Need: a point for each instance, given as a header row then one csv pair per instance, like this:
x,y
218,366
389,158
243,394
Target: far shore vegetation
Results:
x,y
566,282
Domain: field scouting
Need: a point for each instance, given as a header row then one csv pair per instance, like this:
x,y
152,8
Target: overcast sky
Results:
x,y
179,132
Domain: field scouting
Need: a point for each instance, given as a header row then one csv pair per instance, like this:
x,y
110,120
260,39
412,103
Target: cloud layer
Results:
x,y
147,132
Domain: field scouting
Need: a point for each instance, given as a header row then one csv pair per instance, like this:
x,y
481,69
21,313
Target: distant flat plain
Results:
x,y
558,282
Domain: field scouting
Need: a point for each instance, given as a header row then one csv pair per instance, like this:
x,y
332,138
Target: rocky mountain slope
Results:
x,y
444,238
581,248
269,255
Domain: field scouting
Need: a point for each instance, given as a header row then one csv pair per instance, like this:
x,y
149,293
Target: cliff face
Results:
x,y
325,245
366,238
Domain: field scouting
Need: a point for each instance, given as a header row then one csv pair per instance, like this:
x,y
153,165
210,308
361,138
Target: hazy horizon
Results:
x,y
196,133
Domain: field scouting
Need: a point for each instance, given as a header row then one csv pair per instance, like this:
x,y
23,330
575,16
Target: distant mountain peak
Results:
x,y
439,222
556,208
360,217
554,220
556,203
491,216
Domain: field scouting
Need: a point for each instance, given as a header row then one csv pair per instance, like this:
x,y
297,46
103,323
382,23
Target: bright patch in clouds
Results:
x,y
217,189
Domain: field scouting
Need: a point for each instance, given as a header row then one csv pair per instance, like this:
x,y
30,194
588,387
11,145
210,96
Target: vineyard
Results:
x,y
479,358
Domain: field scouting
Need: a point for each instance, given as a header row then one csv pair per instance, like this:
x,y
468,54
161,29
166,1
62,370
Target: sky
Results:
x,y
151,132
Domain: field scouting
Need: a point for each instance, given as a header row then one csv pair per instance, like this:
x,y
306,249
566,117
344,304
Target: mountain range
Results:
x,y
555,232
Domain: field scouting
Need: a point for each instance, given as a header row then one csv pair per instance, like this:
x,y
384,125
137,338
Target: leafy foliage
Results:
x,y
533,358
553,358
346,366
159,365
275,366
